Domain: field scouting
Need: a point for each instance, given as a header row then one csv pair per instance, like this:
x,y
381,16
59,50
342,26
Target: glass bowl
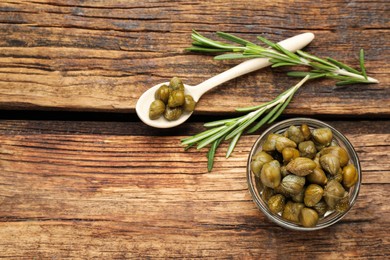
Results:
x,y
330,217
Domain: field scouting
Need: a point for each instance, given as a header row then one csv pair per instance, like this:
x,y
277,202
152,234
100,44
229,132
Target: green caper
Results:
x,y
301,166
156,109
307,149
293,184
330,163
339,152
270,142
256,167
176,99
350,176
280,190
258,160
299,196
317,159
262,156
291,211
306,132
333,193
337,177
171,114
267,193
270,174
258,184
342,205
276,203
295,134
308,217
283,171
319,147
162,93
176,84
283,142
321,208
322,136
289,153
313,195
189,103
317,177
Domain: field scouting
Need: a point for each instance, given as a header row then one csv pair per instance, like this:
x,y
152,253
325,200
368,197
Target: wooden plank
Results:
x,y
96,189
101,55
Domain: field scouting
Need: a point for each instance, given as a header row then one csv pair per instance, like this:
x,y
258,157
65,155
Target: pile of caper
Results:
x,y
170,101
304,174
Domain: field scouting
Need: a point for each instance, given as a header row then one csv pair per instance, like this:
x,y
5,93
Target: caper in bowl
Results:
x,y
303,174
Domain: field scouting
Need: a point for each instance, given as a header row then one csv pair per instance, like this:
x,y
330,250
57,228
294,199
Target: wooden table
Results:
x,y
82,177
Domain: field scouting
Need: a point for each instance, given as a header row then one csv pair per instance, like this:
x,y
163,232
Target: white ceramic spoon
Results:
x,y
142,107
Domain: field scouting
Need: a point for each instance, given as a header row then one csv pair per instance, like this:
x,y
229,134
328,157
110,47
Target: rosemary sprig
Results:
x,y
280,56
232,129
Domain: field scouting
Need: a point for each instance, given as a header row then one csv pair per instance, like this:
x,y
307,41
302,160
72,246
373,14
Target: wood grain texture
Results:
x,y
105,190
81,189
101,55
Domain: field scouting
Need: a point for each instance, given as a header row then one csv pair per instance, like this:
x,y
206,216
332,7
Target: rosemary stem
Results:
x,y
293,89
251,114
353,75
281,99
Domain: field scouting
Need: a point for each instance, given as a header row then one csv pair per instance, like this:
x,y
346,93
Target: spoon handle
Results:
x,y
292,44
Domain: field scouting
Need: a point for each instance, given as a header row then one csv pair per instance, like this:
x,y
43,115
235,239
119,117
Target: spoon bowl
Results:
x,y
142,107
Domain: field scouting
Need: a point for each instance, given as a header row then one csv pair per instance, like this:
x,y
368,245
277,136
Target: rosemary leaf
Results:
x,y
275,60
281,109
320,66
319,60
248,109
203,49
208,42
230,37
281,64
233,144
347,79
231,56
245,124
275,55
312,75
269,43
361,60
259,124
217,135
287,52
343,66
211,154
298,73
347,82
272,112
220,122
188,147
201,135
